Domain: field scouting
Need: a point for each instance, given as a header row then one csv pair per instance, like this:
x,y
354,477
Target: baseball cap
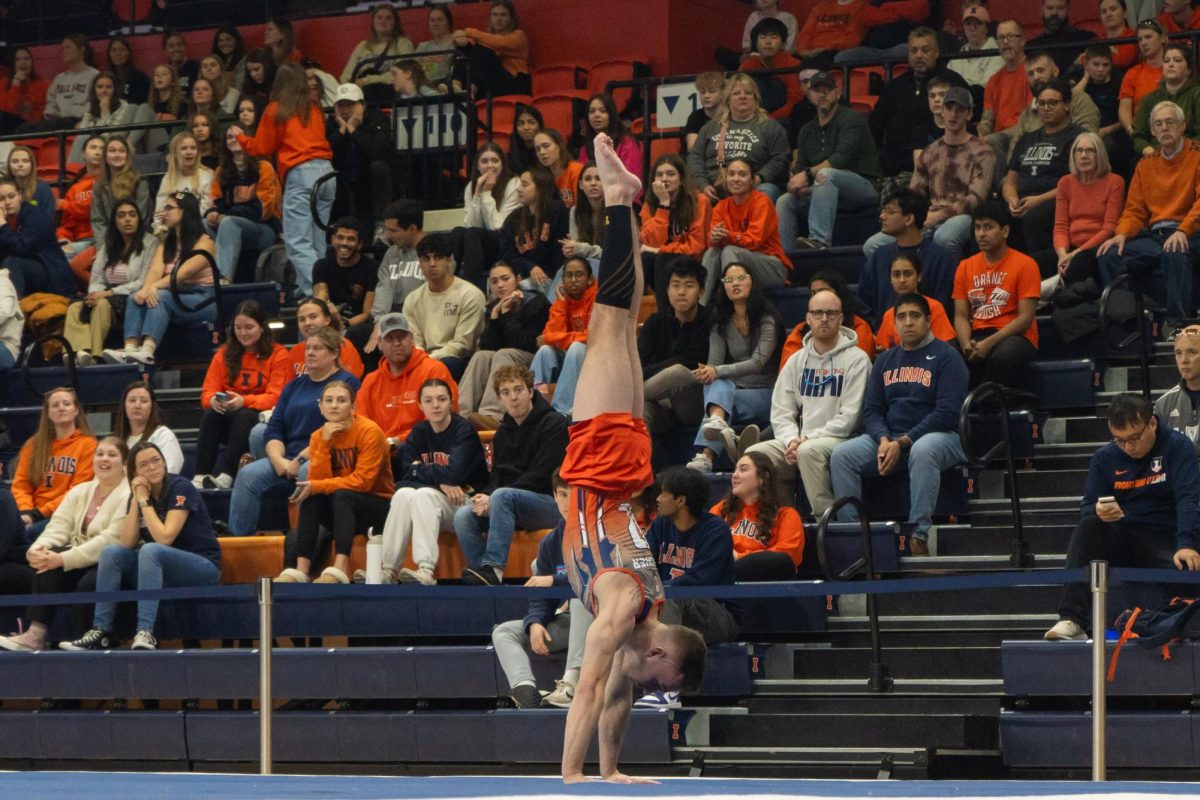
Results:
x,y
822,78
959,97
348,91
394,321
976,12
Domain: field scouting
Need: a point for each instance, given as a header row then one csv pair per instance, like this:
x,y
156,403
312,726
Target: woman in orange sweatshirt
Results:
x,y
745,230
292,129
552,153
56,458
564,339
349,487
768,536
244,378
498,57
675,221
22,92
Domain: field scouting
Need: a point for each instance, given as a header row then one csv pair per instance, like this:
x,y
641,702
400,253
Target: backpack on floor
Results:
x,y
1157,627
45,313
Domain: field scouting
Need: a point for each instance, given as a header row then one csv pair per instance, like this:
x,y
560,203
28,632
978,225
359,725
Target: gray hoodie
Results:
x,y
1175,408
399,274
821,394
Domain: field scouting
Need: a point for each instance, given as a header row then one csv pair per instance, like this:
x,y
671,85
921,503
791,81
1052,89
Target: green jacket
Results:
x,y
846,142
1187,98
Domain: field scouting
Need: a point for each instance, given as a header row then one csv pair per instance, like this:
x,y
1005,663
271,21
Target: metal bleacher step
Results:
x,y
974,563
997,600
808,762
985,513
987,541
917,687
1075,430
853,730
904,662
931,636
1002,507
1012,626
1129,378
874,704
1034,483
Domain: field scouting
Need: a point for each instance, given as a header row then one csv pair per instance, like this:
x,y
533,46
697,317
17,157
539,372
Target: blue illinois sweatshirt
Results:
x,y
297,413
549,562
915,391
1160,490
455,456
700,556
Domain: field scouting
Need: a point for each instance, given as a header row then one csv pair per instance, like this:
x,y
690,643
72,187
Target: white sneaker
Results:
x,y
139,356
84,359
1066,630
115,355
422,576
712,427
224,481
659,700
701,463
198,481
144,640
25,642
562,695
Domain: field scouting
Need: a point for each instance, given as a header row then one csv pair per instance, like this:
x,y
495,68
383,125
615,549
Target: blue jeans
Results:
x,y
258,440
551,365
304,239
253,482
834,189
30,275
927,457
234,233
953,235
550,290
152,322
1142,255
151,566
508,509
741,406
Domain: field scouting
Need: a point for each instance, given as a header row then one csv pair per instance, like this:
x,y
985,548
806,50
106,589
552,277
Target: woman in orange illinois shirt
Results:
x,y
22,92
349,487
244,378
292,128
674,222
768,536
74,231
552,153
745,230
56,458
498,57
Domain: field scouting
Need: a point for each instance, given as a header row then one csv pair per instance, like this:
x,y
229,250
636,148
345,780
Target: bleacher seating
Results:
x,y
962,700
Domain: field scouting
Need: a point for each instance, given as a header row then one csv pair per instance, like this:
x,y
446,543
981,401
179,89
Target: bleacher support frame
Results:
x,y
1140,334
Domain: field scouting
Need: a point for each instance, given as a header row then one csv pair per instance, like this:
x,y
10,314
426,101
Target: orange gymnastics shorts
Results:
x,y
609,454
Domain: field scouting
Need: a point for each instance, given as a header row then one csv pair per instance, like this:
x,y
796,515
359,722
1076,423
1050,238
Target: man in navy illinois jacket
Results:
x,y
1139,508
914,396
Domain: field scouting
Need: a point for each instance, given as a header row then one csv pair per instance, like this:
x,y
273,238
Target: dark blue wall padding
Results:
x,y
108,735
1064,739
1064,384
18,735
1064,669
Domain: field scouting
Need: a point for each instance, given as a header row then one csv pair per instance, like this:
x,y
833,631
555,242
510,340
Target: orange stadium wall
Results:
x,y
672,36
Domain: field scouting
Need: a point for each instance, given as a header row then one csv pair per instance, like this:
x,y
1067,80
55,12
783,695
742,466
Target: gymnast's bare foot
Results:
x,y
620,185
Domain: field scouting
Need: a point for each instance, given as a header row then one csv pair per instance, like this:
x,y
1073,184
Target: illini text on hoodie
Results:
x,y
821,394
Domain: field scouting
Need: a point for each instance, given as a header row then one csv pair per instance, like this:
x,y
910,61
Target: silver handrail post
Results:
x,y
264,677
1099,587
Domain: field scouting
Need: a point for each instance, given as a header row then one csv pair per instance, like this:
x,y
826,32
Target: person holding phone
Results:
x,y
1140,507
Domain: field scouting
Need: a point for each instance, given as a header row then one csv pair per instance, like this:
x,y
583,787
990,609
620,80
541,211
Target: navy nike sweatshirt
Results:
x,y
1161,489
915,391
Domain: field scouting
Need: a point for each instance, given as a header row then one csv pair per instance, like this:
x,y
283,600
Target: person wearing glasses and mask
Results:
x,y
1140,507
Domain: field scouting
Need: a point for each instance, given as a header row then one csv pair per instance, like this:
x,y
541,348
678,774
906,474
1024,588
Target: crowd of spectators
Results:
x,y
999,181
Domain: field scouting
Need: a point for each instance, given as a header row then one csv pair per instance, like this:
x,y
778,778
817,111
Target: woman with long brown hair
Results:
x,y
674,222
118,180
768,536
531,236
292,129
57,457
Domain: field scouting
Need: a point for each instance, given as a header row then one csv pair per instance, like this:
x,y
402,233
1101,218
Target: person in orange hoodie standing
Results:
x,y
244,378
292,128
74,231
768,536
745,230
391,394
56,458
498,57
349,486
564,339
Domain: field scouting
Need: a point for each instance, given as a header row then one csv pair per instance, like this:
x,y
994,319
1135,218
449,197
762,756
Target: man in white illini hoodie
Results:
x,y
818,397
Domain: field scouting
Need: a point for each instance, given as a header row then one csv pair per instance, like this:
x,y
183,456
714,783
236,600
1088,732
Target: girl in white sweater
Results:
x,y
140,420
66,553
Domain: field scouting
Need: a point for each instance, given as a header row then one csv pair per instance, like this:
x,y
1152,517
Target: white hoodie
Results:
x,y
11,318
821,394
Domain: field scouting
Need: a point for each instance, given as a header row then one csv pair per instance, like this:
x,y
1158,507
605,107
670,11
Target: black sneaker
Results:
x,y
526,696
95,639
484,576
221,528
209,482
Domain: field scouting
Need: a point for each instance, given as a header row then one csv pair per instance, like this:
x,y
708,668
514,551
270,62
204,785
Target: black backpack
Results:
x,y
1157,627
